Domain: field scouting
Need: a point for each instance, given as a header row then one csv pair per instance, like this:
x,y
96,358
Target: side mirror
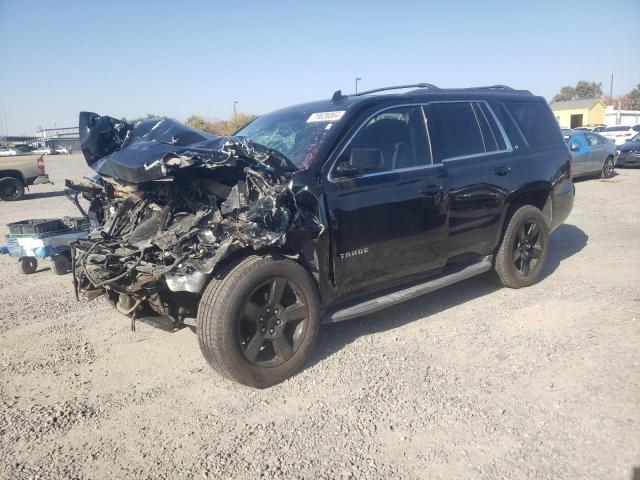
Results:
x,y
361,160
574,147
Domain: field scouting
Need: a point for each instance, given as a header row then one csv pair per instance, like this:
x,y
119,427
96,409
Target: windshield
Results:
x,y
635,138
297,135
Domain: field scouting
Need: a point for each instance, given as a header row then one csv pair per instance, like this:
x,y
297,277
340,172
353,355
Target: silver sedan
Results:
x,y
592,153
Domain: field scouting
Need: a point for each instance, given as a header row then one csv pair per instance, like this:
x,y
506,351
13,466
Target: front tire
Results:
x,y
11,189
524,248
257,324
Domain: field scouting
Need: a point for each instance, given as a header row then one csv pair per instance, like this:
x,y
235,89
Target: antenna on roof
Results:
x,y
337,96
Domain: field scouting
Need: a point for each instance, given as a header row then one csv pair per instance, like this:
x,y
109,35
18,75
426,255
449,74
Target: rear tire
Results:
x,y
28,265
523,251
11,189
258,323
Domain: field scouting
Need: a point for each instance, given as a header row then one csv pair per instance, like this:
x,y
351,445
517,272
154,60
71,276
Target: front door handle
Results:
x,y
502,171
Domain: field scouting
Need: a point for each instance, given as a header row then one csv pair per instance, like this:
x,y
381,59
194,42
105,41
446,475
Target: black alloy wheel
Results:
x,y
258,319
524,248
273,322
528,247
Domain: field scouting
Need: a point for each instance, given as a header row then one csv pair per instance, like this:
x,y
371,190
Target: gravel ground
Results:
x,y
473,381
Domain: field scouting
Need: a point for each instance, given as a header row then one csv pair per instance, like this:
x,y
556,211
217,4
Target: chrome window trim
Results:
x,y
473,109
508,148
513,120
493,134
426,127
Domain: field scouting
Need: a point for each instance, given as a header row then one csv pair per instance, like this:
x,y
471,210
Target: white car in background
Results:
x,y
621,133
43,151
5,152
591,128
61,150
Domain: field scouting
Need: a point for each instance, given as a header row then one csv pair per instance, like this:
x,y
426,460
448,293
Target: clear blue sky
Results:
x,y
177,58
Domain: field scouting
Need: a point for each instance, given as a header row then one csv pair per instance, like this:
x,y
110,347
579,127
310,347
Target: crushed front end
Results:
x,y
169,205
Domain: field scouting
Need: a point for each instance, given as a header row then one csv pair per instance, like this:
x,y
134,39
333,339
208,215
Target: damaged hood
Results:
x,y
170,203
156,148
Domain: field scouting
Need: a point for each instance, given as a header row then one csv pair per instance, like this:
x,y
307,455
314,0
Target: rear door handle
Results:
x,y
501,171
430,190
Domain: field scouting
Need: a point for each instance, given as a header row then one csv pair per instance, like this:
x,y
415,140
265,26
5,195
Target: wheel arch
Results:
x,y
17,174
536,194
227,264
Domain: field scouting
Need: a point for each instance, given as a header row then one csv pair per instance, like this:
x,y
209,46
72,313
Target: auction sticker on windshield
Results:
x,y
325,116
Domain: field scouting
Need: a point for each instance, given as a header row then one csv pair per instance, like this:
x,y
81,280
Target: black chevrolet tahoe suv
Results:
x,y
317,213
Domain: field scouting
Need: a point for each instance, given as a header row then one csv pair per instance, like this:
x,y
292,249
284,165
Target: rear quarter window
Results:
x,y
536,122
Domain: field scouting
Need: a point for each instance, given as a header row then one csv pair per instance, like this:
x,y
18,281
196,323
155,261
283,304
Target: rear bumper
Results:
x,y
562,204
39,180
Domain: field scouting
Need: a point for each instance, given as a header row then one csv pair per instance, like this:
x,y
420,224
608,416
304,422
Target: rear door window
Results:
x,y
454,130
592,139
536,122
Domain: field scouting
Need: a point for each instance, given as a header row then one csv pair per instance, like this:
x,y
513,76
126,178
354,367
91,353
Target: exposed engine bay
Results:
x,y
169,205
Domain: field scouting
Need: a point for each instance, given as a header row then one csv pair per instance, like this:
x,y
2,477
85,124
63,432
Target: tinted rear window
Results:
x,y
454,130
536,122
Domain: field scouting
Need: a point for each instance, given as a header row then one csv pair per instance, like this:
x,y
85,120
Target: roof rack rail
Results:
x,y
493,87
337,95
430,86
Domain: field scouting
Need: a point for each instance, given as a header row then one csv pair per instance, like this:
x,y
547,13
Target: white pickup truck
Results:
x,y
17,172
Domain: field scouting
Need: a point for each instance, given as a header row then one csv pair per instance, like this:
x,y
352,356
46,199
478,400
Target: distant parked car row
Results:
x,y
591,128
619,134
599,153
24,149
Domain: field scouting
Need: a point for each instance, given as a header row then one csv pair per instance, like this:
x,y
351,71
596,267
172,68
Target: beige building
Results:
x,y
577,113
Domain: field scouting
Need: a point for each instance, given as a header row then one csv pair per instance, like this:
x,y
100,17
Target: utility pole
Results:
x,y
611,89
6,127
357,80
235,114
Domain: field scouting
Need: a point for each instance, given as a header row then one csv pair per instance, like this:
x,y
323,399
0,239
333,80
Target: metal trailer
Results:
x,y
38,239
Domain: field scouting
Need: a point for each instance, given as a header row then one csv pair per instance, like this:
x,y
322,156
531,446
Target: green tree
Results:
x,y
582,90
633,99
628,101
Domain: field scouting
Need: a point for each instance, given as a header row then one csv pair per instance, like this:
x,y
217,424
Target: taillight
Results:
x,y
570,167
41,164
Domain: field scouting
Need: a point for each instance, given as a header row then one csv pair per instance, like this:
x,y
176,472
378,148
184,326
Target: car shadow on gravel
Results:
x,y
34,195
566,241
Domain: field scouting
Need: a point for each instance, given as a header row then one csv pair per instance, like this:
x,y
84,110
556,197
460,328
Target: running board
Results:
x,y
385,301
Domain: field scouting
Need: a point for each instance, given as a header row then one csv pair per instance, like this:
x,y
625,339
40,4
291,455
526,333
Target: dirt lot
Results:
x,y
472,381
